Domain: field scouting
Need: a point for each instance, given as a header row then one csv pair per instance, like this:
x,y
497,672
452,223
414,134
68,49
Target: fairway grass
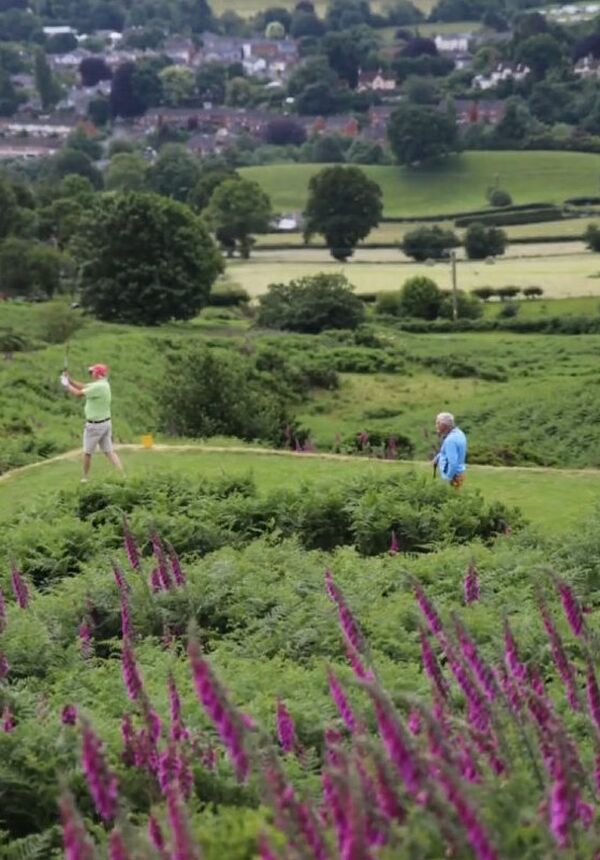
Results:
x,y
455,184
553,500
563,270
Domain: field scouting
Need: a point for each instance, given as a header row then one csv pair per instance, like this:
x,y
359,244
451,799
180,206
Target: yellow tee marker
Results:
x,y
147,441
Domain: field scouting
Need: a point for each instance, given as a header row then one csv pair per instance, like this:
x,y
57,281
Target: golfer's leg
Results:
x,y
114,458
88,448
87,462
106,446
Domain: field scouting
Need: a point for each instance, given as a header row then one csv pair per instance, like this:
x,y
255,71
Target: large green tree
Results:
x,y
418,133
126,172
45,82
144,259
174,173
237,209
29,269
482,242
343,206
311,304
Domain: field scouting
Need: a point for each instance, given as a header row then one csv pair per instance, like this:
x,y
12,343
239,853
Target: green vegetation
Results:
x,y
455,184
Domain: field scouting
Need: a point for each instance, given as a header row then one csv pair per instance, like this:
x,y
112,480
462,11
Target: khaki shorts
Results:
x,y
97,436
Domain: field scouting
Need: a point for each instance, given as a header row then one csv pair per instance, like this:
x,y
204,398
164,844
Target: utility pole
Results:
x,y
454,290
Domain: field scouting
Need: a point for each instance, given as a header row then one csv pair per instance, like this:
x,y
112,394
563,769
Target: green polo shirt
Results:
x,y
97,400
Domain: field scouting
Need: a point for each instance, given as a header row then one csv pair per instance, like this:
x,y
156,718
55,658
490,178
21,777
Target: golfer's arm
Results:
x,y
76,392
78,385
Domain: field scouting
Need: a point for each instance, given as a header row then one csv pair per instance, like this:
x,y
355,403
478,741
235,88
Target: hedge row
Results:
x,y
451,216
505,219
545,325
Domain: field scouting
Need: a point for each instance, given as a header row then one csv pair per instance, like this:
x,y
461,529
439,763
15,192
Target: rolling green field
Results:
x,y
552,500
563,271
457,184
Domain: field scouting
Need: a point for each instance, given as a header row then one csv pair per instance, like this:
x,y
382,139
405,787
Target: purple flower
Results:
x,y
122,584
157,840
335,807
163,569
571,608
264,849
131,549
356,664
471,585
286,730
176,570
85,639
397,745
394,545
341,702
224,717
414,723
116,847
431,666
19,587
429,611
8,720
76,842
565,669
561,807
101,782
155,583
126,625
2,612
511,655
482,672
183,847
68,715
593,696
4,666
131,675
477,837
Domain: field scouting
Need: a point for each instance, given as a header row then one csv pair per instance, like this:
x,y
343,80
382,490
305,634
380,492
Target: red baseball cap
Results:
x,y
98,371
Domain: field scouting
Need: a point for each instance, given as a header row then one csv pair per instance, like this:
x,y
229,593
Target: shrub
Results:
x,y
482,242
429,243
499,198
11,341
311,304
592,237
514,216
507,292
468,306
509,310
389,303
57,321
209,392
420,297
484,293
533,292
228,296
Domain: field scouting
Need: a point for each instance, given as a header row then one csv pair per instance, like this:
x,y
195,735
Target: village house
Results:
x,y
378,82
453,42
587,67
272,59
502,72
55,127
485,110
28,149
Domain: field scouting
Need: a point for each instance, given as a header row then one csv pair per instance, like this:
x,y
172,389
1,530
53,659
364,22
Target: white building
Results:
x,y
502,72
453,42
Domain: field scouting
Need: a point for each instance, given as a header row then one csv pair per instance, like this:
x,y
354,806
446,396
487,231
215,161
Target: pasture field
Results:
x,y
553,500
247,8
562,270
455,184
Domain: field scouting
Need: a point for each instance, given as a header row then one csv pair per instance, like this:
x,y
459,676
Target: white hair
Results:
x,y
445,418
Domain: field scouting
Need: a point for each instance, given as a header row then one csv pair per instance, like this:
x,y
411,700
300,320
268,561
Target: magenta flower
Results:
x,y
85,639
119,576
481,670
8,720
157,840
561,806
593,696
183,847
431,667
76,842
264,849
394,545
387,797
341,702
471,585
429,612
565,668
476,835
176,569
414,723
68,715
131,676
19,587
330,587
126,625
572,609
2,612
397,745
131,549
155,583
355,662
116,847
286,730
335,807
511,655
4,666
101,782
222,714
163,568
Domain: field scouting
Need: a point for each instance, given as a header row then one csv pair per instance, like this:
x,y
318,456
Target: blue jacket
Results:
x,y
453,454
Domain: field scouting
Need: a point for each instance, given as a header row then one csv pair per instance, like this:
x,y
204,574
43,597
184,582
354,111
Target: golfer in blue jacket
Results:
x,y
450,461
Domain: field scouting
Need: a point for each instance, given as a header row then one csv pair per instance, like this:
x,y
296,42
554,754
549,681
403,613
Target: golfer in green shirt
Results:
x,y
97,432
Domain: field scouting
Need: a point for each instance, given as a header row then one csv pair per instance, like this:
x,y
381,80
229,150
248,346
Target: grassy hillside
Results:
x,y
456,184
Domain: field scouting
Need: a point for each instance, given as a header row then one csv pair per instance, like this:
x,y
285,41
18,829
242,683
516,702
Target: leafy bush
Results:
x,y
592,237
228,296
311,304
429,243
482,242
532,292
499,198
210,392
420,297
484,293
512,217
468,306
11,341
57,322
509,310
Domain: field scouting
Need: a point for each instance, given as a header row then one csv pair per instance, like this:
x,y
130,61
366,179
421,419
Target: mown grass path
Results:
x,y
553,499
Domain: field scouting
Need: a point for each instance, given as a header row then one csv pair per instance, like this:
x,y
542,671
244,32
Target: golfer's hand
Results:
x,y
64,380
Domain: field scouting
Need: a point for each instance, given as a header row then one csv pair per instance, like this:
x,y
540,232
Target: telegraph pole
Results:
x,y
454,290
